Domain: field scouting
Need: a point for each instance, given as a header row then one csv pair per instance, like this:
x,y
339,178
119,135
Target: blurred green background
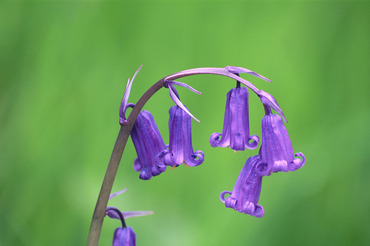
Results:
x,y
63,70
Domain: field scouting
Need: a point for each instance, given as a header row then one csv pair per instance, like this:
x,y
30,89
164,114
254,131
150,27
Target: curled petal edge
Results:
x,y
222,195
197,158
215,140
254,144
297,162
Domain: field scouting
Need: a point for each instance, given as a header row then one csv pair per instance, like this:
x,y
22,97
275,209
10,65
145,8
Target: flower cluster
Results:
x,y
153,155
275,154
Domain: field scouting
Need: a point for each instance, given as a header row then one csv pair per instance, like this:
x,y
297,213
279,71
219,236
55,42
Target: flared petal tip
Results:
x,y
252,142
216,140
297,162
232,69
222,195
195,159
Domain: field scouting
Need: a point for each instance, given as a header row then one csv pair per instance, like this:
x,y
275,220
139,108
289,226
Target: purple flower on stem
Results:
x,y
235,132
180,147
247,189
276,149
124,236
148,143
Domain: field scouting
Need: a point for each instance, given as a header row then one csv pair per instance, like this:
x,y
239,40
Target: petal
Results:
x,y
124,237
179,103
269,100
232,69
117,193
222,195
126,96
297,163
171,82
136,214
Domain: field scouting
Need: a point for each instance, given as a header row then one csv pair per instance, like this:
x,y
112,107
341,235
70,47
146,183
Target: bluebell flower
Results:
x,y
148,143
276,148
247,189
180,148
235,132
124,236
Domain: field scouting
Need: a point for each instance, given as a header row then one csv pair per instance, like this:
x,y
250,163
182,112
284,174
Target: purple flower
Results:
x,y
124,236
180,147
235,132
246,192
276,149
148,143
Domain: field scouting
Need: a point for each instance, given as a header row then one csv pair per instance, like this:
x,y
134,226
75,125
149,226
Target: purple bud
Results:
x,y
148,143
247,189
235,132
124,237
180,146
276,148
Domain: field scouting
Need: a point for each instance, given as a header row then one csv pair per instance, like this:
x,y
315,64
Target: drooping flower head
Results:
x,y
148,143
247,189
235,132
123,236
276,149
180,147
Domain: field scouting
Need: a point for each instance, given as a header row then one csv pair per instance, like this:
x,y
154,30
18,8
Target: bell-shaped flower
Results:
x,y
235,132
180,149
124,236
247,189
276,148
148,143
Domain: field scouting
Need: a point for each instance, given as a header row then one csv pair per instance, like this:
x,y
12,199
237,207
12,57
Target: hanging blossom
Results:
x,y
276,149
146,137
180,148
123,236
148,143
247,189
235,132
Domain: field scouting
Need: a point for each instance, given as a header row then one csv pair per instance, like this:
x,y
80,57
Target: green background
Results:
x,y
63,70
